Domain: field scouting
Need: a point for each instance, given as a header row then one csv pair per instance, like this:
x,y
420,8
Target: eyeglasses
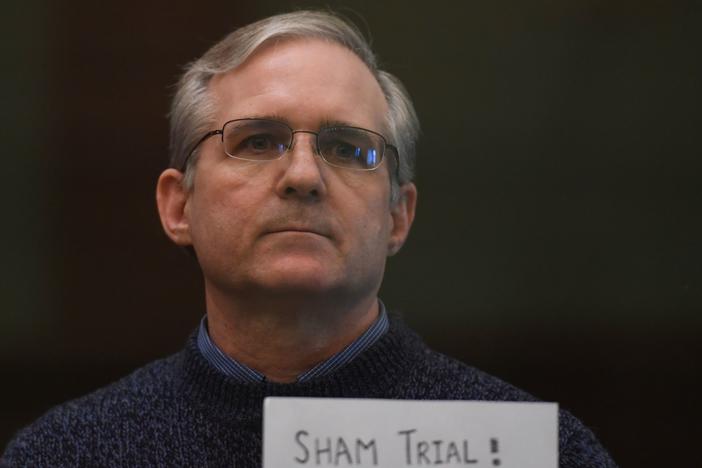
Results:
x,y
266,140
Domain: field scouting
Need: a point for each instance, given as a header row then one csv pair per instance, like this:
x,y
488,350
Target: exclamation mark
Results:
x,y
494,449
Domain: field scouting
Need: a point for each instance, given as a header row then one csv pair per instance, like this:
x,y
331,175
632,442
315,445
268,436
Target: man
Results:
x,y
290,181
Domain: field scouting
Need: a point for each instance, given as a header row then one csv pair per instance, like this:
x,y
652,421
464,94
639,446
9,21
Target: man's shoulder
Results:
x,y
438,376
474,383
123,406
442,377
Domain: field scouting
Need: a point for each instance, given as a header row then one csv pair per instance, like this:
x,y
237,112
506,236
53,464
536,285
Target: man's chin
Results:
x,y
300,280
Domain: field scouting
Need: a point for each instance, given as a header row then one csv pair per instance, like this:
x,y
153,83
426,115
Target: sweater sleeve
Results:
x,y
50,441
578,446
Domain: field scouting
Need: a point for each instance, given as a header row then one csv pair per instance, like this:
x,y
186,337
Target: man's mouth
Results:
x,y
298,229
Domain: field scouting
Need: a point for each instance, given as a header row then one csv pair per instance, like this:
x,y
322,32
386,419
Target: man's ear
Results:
x,y
172,201
402,212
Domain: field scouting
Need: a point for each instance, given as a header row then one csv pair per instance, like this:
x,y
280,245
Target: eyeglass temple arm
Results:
x,y
199,142
395,153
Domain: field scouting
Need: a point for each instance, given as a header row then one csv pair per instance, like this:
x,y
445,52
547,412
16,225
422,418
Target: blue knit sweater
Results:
x,y
180,411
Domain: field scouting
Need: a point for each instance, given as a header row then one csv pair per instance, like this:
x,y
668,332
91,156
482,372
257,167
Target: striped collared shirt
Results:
x,y
243,373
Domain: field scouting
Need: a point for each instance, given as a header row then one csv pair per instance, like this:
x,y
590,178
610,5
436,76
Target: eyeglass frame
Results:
x,y
220,131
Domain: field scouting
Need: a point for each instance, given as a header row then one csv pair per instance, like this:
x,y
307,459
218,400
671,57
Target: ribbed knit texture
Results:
x,y
180,411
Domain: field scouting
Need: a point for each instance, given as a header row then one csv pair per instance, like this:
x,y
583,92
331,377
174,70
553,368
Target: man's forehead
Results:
x,y
317,81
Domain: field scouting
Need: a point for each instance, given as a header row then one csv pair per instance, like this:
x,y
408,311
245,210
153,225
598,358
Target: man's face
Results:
x,y
296,224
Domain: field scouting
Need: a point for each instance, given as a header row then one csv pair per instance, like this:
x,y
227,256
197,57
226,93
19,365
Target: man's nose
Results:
x,y
303,172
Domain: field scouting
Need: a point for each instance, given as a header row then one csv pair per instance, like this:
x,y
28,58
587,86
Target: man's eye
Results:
x,y
258,143
344,150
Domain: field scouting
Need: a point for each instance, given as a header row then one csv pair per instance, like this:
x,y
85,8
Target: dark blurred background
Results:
x,y
557,243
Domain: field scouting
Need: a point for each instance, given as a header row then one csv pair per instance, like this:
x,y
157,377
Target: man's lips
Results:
x,y
298,229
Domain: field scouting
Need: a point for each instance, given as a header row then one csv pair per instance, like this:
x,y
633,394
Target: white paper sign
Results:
x,y
314,432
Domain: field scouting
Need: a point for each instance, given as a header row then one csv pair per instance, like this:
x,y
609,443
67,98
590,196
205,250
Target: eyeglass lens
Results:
x,y
265,140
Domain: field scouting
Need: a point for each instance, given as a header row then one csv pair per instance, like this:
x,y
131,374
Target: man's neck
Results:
x,y
282,337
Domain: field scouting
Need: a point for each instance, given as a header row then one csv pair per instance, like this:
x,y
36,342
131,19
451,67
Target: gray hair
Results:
x,y
192,111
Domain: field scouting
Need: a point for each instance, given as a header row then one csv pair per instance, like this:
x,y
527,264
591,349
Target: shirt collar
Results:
x,y
242,373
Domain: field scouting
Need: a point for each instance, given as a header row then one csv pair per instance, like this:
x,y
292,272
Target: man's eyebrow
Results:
x,y
325,123
276,117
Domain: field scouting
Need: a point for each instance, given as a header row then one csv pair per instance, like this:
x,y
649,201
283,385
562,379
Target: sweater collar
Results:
x,y
376,372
